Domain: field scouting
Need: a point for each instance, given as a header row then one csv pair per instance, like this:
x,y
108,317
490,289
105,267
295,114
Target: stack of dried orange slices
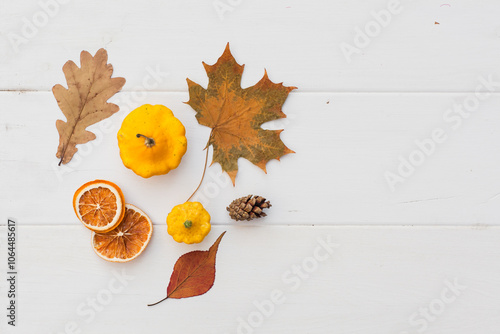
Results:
x,y
120,232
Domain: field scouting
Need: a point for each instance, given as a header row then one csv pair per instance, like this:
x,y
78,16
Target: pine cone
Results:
x,y
248,207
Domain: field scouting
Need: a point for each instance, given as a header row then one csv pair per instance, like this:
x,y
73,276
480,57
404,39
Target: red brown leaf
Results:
x,y
194,273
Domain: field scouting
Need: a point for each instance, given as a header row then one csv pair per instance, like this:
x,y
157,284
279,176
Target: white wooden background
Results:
x,y
397,251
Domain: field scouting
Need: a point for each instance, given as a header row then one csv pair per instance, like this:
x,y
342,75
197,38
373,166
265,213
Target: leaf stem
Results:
x,y
204,168
158,302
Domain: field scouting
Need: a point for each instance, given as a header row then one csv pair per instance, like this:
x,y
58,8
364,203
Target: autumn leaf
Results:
x,y
84,102
194,273
236,115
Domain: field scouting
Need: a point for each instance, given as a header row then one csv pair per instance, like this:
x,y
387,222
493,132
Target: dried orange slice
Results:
x,y
99,205
127,240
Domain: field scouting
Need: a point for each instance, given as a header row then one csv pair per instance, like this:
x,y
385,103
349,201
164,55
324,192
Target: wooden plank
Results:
x,y
368,280
345,143
298,42
389,130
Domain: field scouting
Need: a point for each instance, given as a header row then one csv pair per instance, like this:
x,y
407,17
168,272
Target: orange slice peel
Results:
x,y
99,205
128,240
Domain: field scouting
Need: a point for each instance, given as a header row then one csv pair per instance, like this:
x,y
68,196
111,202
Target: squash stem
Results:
x,y
204,168
149,142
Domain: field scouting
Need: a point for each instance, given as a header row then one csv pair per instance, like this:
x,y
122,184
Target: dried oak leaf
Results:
x,y
194,273
85,101
236,115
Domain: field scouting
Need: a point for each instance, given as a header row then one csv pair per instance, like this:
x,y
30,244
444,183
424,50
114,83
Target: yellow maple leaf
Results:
x,y
236,115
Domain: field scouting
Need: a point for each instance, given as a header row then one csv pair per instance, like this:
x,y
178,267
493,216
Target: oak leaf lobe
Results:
x,y
84,102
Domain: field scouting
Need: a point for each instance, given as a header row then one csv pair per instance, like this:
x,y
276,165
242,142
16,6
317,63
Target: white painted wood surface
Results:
x,y
298,41
373,282
345,144
351,122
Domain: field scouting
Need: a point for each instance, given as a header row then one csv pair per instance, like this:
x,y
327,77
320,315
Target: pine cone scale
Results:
x,y
248,207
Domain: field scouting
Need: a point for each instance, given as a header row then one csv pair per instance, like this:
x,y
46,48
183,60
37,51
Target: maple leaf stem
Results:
x,y
204,168
158,302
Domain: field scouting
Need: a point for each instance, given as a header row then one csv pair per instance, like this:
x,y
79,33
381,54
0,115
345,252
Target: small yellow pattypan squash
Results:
x,y
188,222
151,140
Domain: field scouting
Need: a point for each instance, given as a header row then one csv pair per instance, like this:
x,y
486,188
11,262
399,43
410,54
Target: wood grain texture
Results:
x,y
345,144
298,42
350,122
369,280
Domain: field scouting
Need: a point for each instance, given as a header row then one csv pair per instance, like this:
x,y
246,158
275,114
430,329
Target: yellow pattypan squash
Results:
x,y
188,222
151,140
